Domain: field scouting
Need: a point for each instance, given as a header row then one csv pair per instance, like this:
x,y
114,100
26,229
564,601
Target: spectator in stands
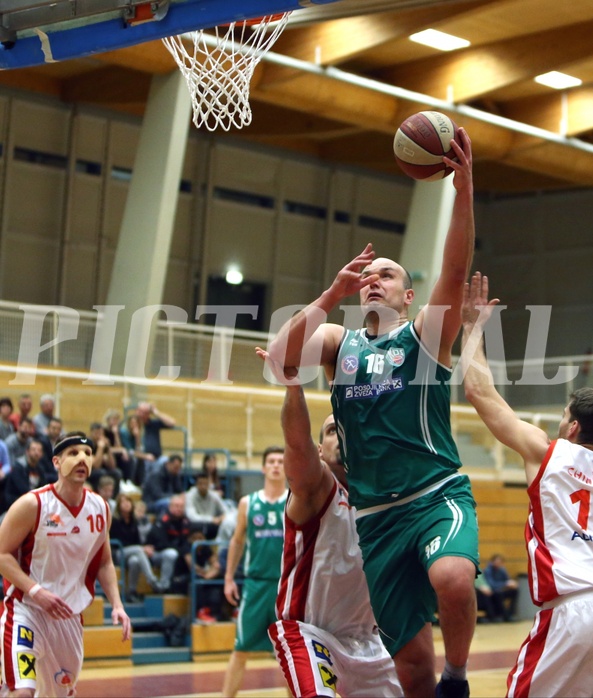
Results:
x,y
6,426
49,440
27,473
17,443
142,519
131,438
103,460
169,538
4,470
25,405
105,489
484,599
162,484
47,404
210,465
153,422
207,566
124,528
204,506
124,461
504,589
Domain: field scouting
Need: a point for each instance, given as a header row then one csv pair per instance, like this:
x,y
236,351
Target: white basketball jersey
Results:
x,y
559,530
322,581
63,552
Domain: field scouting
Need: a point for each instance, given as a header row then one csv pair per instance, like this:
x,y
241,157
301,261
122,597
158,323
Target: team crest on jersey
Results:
x,y
349,364
395,356
75,530
25,636
259,520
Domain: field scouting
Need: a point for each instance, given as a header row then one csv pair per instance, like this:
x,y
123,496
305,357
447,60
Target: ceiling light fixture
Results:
x,y
439,40
559,81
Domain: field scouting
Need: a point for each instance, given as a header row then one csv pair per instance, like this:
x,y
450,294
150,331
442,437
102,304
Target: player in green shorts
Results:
x,y
391,400
260,534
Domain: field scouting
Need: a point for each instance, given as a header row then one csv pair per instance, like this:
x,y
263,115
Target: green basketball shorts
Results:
x,y
400,543
257,611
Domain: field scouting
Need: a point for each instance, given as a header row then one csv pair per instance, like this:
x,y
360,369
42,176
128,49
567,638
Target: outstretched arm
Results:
x,y
530,442
440,331
308,479
306,339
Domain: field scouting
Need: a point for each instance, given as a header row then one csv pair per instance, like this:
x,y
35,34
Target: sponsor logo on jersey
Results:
x,y
580,475
54,521
357,392
328,678
349,364
63,677
321,651
25,636
75,530
396,356
26,664
259,520
582,536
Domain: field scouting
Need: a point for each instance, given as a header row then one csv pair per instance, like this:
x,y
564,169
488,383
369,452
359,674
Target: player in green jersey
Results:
x,y
260,533
390,395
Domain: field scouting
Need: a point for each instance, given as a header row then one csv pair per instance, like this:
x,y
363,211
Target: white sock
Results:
x,y
454,672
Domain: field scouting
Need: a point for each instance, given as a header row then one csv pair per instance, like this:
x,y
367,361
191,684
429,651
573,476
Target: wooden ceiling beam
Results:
x,y
341,40
467,74
567,112
109,86
152,57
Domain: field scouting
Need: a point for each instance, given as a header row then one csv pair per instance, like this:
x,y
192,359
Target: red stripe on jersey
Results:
x,y
297,563
292,652
7,665
534,648
546,586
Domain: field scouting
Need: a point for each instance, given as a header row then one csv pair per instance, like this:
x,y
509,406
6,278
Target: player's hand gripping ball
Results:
x,y
421,142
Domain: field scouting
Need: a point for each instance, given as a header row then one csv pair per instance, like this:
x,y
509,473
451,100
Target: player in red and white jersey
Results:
x,y
54,545
326,639
554,659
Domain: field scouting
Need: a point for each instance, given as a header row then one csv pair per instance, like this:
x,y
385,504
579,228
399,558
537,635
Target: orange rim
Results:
x,y
258,20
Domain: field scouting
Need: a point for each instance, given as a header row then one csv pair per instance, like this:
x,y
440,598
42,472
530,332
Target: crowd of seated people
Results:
x,y
157,511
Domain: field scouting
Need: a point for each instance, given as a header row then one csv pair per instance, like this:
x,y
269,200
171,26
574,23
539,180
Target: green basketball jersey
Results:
x,y
391,403
265,536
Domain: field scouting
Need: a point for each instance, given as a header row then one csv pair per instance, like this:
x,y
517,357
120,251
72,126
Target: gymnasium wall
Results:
x,y
290,222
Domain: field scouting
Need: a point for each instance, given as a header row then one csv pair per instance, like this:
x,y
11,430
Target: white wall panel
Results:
x,y
124,139
40,126
245,170
300,247
30,270
85,212
35,200
241,235
305,182
91,135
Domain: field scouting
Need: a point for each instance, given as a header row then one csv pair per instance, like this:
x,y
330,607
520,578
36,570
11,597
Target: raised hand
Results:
x,y
349,279
476,308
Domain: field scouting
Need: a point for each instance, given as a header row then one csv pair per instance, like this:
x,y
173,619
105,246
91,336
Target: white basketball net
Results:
x,y
218,68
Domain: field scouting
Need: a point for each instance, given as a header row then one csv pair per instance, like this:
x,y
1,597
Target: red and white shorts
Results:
x,y
555,659
315,663
39,652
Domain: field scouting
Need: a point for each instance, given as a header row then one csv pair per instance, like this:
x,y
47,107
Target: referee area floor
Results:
x,y
494,650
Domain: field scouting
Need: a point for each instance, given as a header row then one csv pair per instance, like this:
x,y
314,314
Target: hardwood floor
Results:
x,y
494,650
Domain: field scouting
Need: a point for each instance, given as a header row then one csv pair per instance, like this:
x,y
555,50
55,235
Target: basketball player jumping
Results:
x,y
54,544
555,658
390,396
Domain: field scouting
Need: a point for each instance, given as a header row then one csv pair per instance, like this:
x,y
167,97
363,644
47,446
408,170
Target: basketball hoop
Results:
x,y
218,68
